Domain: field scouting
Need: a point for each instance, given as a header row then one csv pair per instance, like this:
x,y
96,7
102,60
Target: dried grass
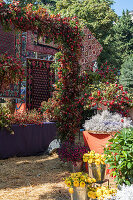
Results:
x,y
34,178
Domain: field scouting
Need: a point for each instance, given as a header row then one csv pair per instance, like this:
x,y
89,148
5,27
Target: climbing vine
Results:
x,y
68,35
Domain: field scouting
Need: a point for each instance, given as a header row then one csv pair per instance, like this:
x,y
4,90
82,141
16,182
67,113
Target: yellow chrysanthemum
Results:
x,y
92,194
106,193
99,192
97,162
79,174
97,155
82,177
85,159
113,191
82,184
86,155
92,152
90,161
102,162
68,183
70,190
76,183
93,180
89,180
76,179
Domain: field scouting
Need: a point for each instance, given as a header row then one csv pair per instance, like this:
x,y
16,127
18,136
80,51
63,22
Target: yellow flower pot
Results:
x,y
96,171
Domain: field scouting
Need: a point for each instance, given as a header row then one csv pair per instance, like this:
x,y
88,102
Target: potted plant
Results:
x,y
77,183
72,153
96,165
119,155
100,128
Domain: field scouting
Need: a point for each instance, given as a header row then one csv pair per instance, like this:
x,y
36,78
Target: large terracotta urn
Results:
x,y
96,140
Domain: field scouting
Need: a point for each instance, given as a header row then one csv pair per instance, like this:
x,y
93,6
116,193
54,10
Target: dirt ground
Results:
x,y
34,178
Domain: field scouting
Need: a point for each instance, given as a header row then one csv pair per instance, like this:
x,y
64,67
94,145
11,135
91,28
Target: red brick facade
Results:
x,y
7,42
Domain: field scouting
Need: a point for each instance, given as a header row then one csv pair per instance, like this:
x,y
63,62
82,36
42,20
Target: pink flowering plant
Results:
x,y
111,95
11,71
26,117
73,153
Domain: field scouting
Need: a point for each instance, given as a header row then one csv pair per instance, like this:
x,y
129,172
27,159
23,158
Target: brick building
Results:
x,y
7,42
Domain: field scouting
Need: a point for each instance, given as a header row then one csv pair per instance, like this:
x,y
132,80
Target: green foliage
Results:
x,y
120,156
97,16
123,38
126,77
4,121
23,3
50,4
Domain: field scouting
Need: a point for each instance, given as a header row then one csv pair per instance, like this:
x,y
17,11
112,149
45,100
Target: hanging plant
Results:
x,y
11,71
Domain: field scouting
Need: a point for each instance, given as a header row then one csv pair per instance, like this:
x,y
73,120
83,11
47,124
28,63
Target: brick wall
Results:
x,y
7,42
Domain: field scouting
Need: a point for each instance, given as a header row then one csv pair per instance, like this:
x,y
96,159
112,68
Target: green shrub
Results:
x,y
126,77
4,120
120,156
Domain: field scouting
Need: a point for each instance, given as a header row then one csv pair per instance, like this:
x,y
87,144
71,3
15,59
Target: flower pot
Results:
x,y
79,193
96,171
77,167
96,140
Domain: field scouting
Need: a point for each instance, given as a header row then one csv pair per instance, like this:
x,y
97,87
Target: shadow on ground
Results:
x,y
26,171
57,194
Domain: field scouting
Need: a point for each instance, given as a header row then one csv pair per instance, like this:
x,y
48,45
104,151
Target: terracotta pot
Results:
x,y
96,141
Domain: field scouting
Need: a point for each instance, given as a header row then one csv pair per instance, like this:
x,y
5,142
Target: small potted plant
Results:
x,y
96,165
101,127
77,184
72,153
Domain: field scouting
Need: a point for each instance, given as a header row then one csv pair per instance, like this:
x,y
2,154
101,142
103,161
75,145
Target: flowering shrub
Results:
x,y
11,71
51,108
100,192
107,72
107,122
78,180
4,121
26,117
120,156
111,95
71,152
92,157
